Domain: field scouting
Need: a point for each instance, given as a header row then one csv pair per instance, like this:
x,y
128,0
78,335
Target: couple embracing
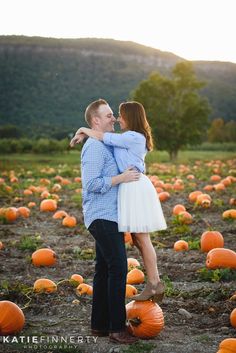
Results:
x,y
118,197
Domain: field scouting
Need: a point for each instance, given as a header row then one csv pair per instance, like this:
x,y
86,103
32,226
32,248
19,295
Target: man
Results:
x,y
100,179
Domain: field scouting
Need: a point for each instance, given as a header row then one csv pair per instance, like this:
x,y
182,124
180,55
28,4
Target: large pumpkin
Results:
x,y
44,257
221,258
48,205
227,346
211,240
12,318
233,318
145,318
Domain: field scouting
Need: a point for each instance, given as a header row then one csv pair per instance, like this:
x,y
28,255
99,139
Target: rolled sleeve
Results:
x,y
123,140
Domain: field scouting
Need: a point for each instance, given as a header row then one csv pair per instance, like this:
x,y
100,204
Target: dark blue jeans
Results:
x,y
108,309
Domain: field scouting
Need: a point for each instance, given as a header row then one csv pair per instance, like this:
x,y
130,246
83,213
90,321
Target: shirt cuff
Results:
x,y
107,185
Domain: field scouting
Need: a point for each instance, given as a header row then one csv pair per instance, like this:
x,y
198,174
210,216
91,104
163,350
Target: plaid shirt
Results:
x,y
97,168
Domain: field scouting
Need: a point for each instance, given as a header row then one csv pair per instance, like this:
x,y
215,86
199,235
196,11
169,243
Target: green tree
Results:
x,y
216,131
177,113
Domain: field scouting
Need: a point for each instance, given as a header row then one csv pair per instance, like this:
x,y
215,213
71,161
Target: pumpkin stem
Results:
x,y
135,321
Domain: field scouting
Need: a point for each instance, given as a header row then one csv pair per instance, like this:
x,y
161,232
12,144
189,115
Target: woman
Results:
x,y
139,209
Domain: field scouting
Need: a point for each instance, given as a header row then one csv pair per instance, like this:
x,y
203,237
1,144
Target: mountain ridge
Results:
x,y
49,81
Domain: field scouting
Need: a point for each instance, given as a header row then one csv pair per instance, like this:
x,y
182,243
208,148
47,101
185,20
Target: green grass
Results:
x,y
72,158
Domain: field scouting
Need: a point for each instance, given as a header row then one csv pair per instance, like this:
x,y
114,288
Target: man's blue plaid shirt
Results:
x,y
97,168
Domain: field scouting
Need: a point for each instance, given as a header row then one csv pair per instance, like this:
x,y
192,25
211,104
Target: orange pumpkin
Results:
x,y
145,318
178,208
193,195
69,221
84,288
233,318
44,285
12,318
27,192
31,204
132,263
221,258
229,214
128,238
130,291
48,205
77,278
43,257
1,245
180,245
208,188
164,196
135,276
215,178
219,187
24,212
59,214
185,217
211,240
10,214
227,346
232,201
200,198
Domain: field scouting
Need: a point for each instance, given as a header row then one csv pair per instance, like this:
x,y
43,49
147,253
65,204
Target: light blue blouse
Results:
x,y
129,149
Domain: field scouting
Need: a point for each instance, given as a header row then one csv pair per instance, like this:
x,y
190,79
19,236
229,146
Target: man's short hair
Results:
x,y
92,109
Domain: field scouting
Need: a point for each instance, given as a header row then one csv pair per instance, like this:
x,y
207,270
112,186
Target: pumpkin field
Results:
x,y
41,208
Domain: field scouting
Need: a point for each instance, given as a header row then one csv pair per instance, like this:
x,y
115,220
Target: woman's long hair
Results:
x,y
136,120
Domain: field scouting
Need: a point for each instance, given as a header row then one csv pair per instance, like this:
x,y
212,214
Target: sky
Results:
x,y
191,29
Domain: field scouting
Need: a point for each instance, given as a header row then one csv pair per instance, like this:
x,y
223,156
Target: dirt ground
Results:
x,y
199,329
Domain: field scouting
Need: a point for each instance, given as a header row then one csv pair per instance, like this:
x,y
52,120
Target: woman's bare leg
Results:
x,y
144,244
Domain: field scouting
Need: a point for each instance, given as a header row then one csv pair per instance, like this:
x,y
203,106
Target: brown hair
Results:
x,y
136,120
92,109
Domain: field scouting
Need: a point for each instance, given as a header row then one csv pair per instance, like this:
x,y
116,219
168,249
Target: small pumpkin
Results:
x,y
193,195
48,205
210,240
227,346
44,285
185,217
60,214
77,278
130,291
229,214
24,211
128,238
135,276
69,221
233,318
180,245
43,257
10,213
84,288
12,318
1,245
145,318
164,196
132,263
221,258
177,209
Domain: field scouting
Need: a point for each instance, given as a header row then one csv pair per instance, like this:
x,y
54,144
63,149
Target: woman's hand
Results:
x,y
78,138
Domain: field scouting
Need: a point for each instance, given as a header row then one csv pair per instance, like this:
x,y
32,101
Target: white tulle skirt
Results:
x,y
139,208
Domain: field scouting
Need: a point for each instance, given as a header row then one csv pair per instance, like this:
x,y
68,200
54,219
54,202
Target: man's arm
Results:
x,y
93,162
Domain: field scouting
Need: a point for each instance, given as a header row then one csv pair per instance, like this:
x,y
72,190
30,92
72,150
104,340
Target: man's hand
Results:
x,y
78,138
130,175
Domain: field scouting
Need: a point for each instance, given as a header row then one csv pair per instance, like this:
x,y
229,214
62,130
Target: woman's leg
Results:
x,y
154,288
144,244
